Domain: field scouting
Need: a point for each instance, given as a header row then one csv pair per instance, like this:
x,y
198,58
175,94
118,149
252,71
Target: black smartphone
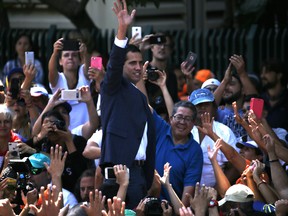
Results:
x,y
157,39
71,45
191,58
15,87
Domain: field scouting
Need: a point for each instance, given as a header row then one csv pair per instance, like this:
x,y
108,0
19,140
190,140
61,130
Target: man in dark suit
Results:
x,y
127,123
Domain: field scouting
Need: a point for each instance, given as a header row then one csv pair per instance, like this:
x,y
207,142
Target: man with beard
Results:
x,y
274,81
233,87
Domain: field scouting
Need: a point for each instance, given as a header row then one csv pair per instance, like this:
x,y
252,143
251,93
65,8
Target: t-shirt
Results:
x,y
79,113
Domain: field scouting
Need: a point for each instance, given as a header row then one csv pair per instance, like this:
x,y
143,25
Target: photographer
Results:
x,y
54,131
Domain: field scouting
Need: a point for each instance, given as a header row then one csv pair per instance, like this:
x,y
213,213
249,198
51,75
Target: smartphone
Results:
x,y
96,62
157,39
13,150
135,30
71,94
257,104
71,45
29,58
109,173
191,58
14,87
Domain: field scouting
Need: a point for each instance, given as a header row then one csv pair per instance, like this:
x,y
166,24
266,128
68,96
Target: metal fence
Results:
x,y
213,46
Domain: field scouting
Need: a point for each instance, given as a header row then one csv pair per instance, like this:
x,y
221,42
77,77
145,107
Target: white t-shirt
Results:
x,y
79,113
225,133
97,138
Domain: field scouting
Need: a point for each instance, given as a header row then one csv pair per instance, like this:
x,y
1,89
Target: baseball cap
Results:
x,y
201,96
237,193
37,160
38,91
13,71
211,81
249,144
66,106
203,75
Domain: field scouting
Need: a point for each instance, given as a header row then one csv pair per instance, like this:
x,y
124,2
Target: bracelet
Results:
x,y
275,160
262,182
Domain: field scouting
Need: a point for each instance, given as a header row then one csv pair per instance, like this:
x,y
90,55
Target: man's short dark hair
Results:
x,y
186,104
132,48
277,66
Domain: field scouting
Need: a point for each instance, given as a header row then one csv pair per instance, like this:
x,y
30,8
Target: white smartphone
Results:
x,y
13,150
29,58
135,30
109,173
73,94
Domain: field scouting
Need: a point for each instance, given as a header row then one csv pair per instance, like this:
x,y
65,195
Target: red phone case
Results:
x,y
256,104
96,62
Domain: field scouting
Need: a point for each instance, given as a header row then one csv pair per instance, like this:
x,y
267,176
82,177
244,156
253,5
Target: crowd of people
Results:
x,y
180,143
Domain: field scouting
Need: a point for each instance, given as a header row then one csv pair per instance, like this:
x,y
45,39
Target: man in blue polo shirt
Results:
x,y
175,144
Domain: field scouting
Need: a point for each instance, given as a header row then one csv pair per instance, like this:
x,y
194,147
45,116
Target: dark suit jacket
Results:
x,y
124,113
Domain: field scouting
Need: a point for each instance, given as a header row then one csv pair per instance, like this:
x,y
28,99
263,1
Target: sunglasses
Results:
x,y
36,171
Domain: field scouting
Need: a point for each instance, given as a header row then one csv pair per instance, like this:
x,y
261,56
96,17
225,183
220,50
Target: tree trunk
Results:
x,y
74,10
4,20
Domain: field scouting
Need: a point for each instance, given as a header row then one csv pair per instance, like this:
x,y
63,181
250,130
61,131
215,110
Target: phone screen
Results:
x,y
109,173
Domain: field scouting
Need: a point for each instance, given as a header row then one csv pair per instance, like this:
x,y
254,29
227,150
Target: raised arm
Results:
x,y
86,58
52,65
175,200
92,124
239,64
220,89
230,153
222,181
278,174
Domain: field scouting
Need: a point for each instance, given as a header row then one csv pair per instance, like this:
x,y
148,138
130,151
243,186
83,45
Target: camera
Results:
x,y
60,124
153,206
152,74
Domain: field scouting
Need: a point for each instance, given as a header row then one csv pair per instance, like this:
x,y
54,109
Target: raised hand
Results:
x,y
238,63
117,208
85,94
207,124
96,204
212,153
122,175
58,45
120,9
165,178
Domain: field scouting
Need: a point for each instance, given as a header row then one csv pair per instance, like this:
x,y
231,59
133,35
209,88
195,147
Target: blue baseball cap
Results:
x,y
201,96
14,71
37,160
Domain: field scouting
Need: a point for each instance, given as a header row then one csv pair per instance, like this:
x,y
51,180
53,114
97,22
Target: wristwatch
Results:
x,y
213,203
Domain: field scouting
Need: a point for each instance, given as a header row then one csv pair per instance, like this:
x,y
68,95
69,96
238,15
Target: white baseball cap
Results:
x,y
211,81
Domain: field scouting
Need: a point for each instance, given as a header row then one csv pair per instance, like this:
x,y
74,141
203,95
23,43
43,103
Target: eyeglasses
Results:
x,y
186,119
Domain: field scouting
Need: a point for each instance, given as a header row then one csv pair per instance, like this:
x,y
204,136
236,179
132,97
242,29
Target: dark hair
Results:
x,y
236,76
186,104
132,48
53,113
86,173
17,38
277,66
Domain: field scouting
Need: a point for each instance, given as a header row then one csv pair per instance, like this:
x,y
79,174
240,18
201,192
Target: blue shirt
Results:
x,y
226,116
186,159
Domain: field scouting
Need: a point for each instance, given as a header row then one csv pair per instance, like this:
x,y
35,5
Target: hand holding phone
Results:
x,y
29,58
13,150
135,30
191,58
257,104
96,62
